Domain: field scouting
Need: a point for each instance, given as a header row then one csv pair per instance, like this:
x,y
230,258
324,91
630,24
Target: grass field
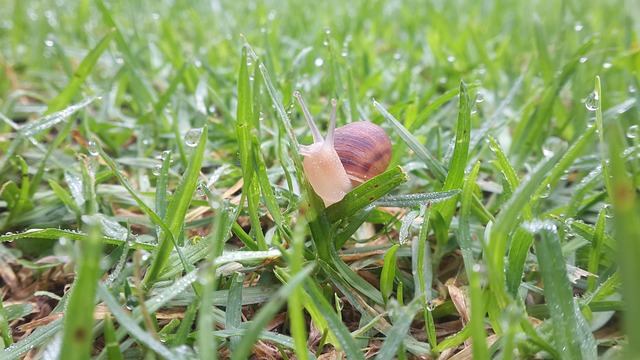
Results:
x,y
153,202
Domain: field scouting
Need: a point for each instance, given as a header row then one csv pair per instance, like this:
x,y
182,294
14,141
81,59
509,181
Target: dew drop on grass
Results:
x,y
192,138
318,62
165,154
552,145
608,211
200,190
93,148
591,102
479,97
156,169
430,306
632,132
546,192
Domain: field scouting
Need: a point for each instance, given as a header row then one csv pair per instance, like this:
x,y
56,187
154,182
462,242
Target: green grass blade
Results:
x,y
411,200
596,251
56,234
349,346
506,222
83,71
530,131
233,313
367,193
400,328
478,333
110,340
626,207
388,274
432,163
265,314
571,335
244,121
77,340
177,210
466,199
456,175
132,327
37,338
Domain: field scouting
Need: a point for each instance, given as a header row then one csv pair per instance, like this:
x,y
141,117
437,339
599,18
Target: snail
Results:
x,y
347,157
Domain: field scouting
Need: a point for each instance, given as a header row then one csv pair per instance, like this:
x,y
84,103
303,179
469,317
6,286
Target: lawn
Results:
x,y
154,201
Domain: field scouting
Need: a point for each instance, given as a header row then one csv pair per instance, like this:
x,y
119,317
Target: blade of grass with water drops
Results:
x,y
77,339
455,175
530,131
177,210
83,71
401,326
432,163
571,334
262,317
626,205
506,222
56,234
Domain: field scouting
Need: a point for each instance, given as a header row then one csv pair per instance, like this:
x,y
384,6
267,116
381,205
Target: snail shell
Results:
x,y
364,150
345,158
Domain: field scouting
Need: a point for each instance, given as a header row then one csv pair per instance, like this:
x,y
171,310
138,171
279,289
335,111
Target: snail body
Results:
x,y
347,157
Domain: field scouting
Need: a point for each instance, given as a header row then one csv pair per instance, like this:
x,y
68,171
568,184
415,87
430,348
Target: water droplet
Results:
x,y
552,145
397,56
146,142
48,43
479,97
591,102
156,169
578,27
476,268
451,58
608,211
632,132
93,148
131,242
632,89
606,65
344,53
583,59
430,306
165,154
119,60
318,62
249,61
145,256
494,146
200,190
192,138
546,192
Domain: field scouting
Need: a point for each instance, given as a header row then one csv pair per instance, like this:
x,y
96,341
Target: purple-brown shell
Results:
x,y
364,149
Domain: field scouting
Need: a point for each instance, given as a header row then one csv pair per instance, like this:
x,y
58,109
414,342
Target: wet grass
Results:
x,y
153,201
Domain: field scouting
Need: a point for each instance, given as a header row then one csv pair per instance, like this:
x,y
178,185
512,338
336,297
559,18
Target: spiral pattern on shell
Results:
x,y
364,149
